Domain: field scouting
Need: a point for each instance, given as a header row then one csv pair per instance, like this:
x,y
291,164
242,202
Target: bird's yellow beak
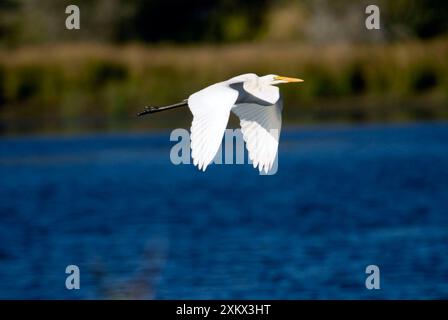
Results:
x,y
287,79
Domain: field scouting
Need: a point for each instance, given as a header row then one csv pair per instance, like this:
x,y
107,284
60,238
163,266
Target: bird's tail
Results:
x,y
149,110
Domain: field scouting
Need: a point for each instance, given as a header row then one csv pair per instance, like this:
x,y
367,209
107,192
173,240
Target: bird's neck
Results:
x,y
262,91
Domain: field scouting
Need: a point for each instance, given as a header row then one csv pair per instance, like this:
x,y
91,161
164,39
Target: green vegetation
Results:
x,y
132,53
78,87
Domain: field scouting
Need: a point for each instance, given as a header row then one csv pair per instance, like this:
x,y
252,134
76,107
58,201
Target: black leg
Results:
x,y
149,110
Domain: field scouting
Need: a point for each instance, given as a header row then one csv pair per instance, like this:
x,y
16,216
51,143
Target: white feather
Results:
x,y
261,127
210,117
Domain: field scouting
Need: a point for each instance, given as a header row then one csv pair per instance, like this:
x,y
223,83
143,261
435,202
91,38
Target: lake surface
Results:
x,y
139,227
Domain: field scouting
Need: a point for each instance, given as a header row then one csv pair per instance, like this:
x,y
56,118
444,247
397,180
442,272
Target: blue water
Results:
x,y
139,227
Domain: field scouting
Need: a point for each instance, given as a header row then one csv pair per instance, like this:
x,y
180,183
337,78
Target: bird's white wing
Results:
x,y
210,108
261,127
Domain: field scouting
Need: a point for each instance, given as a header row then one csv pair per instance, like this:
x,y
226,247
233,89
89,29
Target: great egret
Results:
x,y
255,100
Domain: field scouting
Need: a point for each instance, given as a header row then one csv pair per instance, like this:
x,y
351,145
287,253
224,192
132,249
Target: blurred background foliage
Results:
x,y
132,53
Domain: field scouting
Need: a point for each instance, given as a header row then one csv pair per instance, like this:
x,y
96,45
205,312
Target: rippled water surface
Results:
x,y
139,227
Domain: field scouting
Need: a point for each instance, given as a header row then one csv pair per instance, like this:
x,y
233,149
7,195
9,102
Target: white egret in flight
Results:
x,y
255,100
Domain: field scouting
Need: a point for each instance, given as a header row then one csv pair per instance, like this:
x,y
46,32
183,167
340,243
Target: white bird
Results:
x,y
255,100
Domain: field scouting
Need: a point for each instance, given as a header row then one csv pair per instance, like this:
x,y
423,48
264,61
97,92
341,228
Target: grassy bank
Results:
x,y
86,86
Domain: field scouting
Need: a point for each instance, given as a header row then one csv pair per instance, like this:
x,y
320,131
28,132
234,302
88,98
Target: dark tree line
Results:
x,y
31,21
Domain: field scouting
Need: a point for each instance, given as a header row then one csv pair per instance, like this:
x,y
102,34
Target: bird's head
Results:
x,y
273,79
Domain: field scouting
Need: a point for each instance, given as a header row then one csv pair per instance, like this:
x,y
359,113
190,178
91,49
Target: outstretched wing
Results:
x,y
261,127
210,108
